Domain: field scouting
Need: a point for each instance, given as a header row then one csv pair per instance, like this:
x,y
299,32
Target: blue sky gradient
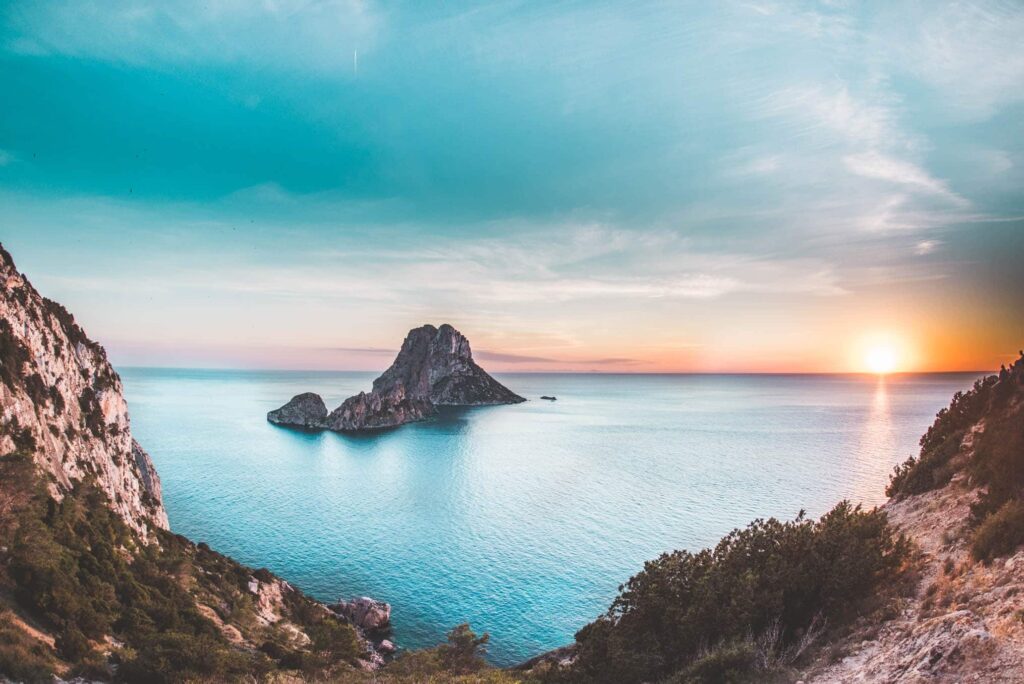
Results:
x,y
584,186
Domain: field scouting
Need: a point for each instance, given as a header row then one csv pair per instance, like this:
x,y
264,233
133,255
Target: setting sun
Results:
x,y
881,359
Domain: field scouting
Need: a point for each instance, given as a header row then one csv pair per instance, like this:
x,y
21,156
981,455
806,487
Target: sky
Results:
x,y
621,187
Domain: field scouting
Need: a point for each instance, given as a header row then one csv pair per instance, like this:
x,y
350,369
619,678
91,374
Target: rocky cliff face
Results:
x,y
62,401
91,580
434,368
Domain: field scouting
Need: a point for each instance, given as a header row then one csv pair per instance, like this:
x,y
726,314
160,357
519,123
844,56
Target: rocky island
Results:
x,y
434,367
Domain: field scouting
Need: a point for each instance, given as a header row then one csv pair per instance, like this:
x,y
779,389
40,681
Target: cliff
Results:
x,y
92,583
61,397
434,367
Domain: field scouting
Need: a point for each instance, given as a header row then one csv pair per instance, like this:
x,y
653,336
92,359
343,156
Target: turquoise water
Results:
x,y
522,520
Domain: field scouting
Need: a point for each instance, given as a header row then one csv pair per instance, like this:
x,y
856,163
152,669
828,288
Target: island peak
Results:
x,y
433,368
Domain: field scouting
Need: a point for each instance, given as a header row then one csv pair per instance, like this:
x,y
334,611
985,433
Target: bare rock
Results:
x,y
64,404
305,410
434,367
365,613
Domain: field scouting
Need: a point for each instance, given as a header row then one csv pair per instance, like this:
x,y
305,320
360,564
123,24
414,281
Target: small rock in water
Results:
x,y
549,398
305,410
366,613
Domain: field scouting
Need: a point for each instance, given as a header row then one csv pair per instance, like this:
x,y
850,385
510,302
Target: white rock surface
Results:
x,y
61,400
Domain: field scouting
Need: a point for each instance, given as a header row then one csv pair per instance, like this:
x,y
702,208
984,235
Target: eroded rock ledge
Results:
x,y
434,368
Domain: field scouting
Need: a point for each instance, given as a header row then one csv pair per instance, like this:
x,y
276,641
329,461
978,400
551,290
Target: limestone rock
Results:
x,y
62,402
434,367
304,410
365,613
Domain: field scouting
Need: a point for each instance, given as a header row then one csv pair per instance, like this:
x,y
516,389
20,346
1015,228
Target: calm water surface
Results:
x,y
522,520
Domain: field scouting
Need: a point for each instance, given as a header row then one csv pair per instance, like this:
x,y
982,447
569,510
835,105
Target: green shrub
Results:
x,y
778,575
23,658
1001,533
998,462
464,651
728,664
77,569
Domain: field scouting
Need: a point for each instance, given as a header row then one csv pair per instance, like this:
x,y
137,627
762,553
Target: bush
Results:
x,y
77,569
23,658
727,664
769,576
1001,533
464,651
990,399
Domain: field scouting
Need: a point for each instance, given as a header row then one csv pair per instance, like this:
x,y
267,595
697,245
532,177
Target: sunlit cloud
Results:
x,y
573,183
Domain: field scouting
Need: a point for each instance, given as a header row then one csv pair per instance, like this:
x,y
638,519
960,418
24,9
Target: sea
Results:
x,y
522,520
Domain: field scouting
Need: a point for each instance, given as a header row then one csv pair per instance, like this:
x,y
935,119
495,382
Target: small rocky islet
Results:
x,y
434,368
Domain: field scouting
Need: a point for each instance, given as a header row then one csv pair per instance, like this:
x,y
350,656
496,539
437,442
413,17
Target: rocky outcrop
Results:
x,y
62,402
365,613
434,368
304,410
64,422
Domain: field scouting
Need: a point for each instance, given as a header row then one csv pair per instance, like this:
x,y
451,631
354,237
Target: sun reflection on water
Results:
x,y
878,442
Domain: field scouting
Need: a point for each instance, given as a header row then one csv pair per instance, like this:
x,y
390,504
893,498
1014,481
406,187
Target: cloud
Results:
x,y
968,51
883,167
278,34
611,361
505,357
926,247
817,109
362,350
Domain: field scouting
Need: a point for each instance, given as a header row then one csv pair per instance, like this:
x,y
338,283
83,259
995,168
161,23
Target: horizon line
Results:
x,y
568,372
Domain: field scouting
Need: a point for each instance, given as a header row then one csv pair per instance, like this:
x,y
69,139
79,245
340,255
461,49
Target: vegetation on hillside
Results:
x,y
121,608
751,605
992,413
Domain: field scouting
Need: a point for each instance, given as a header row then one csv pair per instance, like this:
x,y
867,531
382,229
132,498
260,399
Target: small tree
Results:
x,y
464,651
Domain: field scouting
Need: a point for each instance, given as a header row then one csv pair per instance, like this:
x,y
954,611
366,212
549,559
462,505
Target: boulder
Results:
x,y
365,613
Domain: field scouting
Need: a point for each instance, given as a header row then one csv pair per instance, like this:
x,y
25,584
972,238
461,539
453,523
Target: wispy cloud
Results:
x,y
505,357
968,51
317,35
833,110
883,167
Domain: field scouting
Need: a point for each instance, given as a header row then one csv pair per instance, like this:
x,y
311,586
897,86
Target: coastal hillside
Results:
x,y
63,405
92,582
962,503
929,587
